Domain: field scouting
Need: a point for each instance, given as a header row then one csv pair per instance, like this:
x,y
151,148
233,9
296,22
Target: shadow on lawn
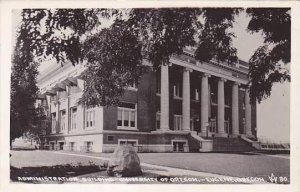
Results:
x,y
67,170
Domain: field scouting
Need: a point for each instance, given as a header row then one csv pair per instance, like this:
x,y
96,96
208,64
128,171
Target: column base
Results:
x,y
164,128
204,134
249,135
234,135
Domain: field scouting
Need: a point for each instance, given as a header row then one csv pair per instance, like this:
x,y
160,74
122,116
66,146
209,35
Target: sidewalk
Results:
x,y
201,166
165,171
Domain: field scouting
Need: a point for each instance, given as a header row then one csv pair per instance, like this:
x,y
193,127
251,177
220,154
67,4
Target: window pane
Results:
x,y
87,116
126,118
132,119
122,142
119,114
127,105
132,143
157,121
119,117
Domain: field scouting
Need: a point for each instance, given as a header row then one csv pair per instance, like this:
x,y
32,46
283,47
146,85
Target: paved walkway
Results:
x,y
212,165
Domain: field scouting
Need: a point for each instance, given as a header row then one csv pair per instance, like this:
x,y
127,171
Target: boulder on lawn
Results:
x,y
124,162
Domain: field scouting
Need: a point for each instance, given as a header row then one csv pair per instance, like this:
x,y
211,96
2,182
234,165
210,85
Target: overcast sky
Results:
x,y
272,114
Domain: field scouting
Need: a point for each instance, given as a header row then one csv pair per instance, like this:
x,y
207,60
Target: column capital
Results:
x,y
166,65
205,75
187,69
245,86
222,79
236,83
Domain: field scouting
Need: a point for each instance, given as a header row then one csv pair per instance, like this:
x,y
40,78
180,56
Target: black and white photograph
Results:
x,y
197,95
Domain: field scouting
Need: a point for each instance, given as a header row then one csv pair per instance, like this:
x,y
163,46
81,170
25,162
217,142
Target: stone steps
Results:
x,y
221,144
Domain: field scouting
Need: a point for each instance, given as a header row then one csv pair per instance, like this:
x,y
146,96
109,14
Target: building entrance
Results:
x,y
61,145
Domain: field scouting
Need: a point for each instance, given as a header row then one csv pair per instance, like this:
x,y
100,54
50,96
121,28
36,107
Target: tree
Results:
x,y
267,64
215,39
23,114
114,61
35,43
115,54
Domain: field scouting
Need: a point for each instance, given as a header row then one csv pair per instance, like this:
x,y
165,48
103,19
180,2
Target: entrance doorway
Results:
x,y
61,145
179,146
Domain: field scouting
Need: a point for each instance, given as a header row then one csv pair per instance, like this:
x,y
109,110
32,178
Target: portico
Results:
x,y
225,122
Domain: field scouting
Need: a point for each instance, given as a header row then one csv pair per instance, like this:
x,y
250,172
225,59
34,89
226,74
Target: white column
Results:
x,y
68,123
221,111
58,114
186,97
204,103
235,108
164,98
248,112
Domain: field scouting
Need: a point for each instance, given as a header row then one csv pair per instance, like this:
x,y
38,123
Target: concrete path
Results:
x,y
231,167
170,171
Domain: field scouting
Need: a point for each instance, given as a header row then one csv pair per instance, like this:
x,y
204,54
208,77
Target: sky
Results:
x,y
273,117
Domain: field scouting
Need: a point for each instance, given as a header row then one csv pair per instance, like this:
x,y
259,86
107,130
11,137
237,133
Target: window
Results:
x,y
213,125
244,124
213,98
130,142
226,126
192,124
177,122
90,118
62,120
73,115
176,90
127,116
196,94
53,98
132,86
53,122
72,146
158,120
110,138
88,146
179,146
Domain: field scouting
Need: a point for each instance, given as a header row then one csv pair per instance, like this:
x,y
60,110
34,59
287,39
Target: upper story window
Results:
x,y
213,98
127,116
53,122
227,100
62,120
197,95
177,122
73,117
132,86
176,90
90,118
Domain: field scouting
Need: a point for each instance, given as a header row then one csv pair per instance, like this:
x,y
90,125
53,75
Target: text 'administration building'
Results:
x,y
185,106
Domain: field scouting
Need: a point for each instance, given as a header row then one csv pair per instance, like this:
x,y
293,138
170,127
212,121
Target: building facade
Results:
x,y
184,106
